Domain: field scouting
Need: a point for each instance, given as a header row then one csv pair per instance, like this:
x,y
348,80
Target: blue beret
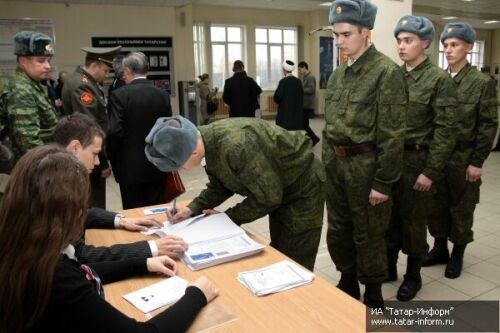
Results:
x,y
460,30
418,25
171,142
32,43
356,12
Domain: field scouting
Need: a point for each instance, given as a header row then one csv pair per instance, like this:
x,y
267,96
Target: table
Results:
x,y
318,307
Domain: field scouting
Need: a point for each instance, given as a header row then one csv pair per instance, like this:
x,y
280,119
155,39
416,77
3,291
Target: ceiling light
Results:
x,y
449,17
326,4
491,22
467,0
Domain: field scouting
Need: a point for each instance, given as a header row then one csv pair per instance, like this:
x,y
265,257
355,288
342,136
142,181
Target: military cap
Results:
x,y
32,43
460,30
418,25
104,54
288,65
171,142
356,12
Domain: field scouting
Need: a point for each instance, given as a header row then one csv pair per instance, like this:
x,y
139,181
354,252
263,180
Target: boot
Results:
x,y
392,266
349,284
439,253
412,280
454,267
373,296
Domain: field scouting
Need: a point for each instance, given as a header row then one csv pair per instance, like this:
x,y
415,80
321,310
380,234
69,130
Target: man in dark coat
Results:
x,y
290,97
133,110
241,93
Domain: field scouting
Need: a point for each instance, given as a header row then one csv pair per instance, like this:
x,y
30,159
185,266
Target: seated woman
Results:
x,y
43,286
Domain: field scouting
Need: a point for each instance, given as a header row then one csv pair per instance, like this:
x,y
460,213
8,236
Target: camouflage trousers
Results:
x,y
295,227
453,216
356,229
411,210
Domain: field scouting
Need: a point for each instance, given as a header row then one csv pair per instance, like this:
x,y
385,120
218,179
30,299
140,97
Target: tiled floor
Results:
x,y
480,278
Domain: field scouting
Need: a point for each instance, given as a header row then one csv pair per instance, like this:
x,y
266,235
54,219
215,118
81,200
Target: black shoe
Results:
x,y
392,266
439,253
373,296
454,267
349,284
409,289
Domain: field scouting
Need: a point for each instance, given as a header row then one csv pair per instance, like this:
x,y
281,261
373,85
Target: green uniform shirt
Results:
x,y
477,112
31,117
366,103
432,114
255,159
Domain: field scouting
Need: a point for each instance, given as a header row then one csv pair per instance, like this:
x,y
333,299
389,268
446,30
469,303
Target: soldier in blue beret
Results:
x,y
458,193
27,112
429,140
365,108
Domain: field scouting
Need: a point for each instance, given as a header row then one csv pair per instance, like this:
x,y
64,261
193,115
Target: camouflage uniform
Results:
x,y
30,117
477,120
365,105
275,170
81,93
429,140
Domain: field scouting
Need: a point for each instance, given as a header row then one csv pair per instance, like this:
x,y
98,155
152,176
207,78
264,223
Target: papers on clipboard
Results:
x,y
212,240
157,295
275,278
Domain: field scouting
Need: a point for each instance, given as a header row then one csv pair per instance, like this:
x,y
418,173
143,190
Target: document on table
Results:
x,y
157,295
212,240
275,278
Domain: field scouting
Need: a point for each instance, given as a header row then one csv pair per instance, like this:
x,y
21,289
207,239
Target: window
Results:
x,y
475,57
273,46
227,46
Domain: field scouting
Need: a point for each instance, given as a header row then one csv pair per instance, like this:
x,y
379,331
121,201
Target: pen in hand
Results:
x,y
174,210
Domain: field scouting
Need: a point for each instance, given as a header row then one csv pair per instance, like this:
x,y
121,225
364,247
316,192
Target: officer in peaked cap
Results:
x,y
27,113
82,93
362,150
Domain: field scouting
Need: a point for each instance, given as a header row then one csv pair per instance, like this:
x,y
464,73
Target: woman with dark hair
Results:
x,y
44,287
206,95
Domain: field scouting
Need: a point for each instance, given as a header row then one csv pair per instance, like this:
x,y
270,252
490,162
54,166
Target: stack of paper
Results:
x,y
157,295
274,278
212,240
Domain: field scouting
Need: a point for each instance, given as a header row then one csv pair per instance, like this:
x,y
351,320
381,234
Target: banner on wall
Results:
x,y
159,51
326,60
8,28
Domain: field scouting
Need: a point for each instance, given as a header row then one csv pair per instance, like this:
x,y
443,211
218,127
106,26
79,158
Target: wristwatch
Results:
x,y
118,218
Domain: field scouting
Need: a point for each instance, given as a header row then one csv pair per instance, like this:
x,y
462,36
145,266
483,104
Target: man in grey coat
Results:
x,y
309,86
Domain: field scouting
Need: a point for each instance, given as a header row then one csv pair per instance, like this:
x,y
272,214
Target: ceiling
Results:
x,y
475,12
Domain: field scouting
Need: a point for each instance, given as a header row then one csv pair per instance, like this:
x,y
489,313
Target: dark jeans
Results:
x,y
309,131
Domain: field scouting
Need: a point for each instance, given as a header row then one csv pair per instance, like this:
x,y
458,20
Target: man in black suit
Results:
x,y
241,93
133,110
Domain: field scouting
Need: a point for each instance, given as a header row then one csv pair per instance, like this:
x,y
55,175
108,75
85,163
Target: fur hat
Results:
x,y
460,30
32,43
356,12
288,65
171,142
418,25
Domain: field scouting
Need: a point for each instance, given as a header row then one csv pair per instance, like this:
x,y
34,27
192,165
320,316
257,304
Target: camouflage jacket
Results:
x,y
30,115
255,159
81,93
366,103
477,112
432,114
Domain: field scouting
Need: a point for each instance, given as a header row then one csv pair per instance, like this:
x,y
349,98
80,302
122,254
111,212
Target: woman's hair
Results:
x,y
203,77
42,211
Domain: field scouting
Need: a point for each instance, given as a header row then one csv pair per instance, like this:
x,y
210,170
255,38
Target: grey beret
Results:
x,y
356,12
418,25
171,142
32,43
460,30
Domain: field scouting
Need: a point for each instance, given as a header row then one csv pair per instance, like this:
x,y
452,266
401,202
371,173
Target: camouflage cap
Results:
x,y
460,30
32,43
171,142
418,25
104,54
356,12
